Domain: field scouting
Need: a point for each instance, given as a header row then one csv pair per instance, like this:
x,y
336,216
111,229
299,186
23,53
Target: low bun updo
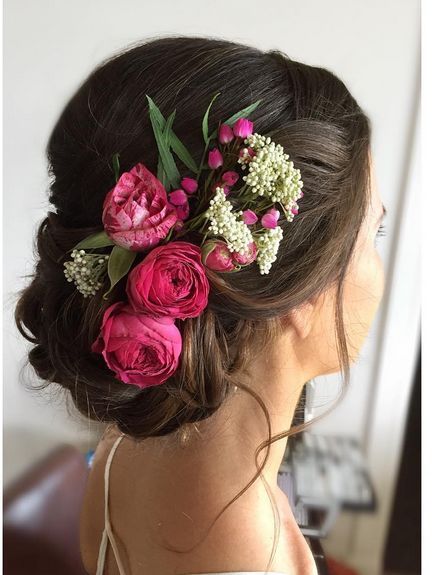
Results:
x,y
306,109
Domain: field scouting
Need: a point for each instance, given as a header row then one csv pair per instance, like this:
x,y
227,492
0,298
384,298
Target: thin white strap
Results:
x,y
107,531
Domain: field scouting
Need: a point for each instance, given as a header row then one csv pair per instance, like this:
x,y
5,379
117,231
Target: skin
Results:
x,y
177,492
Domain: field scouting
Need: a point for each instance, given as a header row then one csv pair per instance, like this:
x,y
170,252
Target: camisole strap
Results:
x,y
107,535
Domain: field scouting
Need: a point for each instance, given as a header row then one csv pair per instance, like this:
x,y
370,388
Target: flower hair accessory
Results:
x,y
249,185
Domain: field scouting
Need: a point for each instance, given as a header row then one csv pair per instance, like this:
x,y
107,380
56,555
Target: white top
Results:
x,y
108,537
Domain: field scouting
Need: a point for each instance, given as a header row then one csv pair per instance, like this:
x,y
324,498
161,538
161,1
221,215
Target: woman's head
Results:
x,y
310,112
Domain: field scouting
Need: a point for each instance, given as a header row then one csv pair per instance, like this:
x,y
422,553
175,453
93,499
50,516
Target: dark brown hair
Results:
x,y
308,110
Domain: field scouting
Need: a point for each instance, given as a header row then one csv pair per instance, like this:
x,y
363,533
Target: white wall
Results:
x,y
49,47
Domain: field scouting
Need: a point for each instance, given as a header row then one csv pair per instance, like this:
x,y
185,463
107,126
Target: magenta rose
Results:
x,y
136,212
141,350
171,280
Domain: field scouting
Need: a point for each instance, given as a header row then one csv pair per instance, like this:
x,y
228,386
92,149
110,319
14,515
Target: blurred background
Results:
x,y
374,47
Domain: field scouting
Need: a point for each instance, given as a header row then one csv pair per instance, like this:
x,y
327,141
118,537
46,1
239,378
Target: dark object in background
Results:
x,y
403,548
41,516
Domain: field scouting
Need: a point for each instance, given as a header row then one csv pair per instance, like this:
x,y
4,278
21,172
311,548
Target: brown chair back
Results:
x,y
41,516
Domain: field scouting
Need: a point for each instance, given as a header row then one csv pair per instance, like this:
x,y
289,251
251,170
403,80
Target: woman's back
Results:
x,y
130,543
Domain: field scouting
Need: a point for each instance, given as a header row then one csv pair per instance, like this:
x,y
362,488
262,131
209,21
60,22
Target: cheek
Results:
x,y
363,292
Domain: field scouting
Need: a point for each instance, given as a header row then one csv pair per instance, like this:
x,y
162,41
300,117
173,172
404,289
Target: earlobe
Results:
x,y
301,319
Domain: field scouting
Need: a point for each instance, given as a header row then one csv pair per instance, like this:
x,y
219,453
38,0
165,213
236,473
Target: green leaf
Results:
x,y
98,240
119,264
161,175
176,144
242,114
115,163
205,120
164,149
182,153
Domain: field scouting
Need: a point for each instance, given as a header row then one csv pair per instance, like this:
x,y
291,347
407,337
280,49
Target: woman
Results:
x,y
193,457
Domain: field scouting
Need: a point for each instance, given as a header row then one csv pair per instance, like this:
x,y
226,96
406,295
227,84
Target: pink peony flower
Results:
x,y
171,281
270,218
225,134
178,197
249,217
230,177
216,256
189,185
136,212
248,258
243,128
215,159
141,350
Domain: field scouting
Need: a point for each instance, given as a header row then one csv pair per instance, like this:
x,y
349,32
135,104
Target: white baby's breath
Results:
x,y
267,245
228,224
85,271
270,173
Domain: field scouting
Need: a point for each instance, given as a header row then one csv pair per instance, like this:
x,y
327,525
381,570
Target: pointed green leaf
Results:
x,y
182,153
176,144
161,175
98,240
205,119
115,163
168,127
242,114
164,149
119,264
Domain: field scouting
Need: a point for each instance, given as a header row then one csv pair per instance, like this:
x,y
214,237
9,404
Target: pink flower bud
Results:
x,y
177,197
270,218
248,257
243,128
295,210
189,185
225,188
183,211
216,256
215,159
230,178
251,152
225,134
249,217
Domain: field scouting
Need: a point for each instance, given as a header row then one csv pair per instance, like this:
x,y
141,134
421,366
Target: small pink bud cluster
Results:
x,y
242,128
180,199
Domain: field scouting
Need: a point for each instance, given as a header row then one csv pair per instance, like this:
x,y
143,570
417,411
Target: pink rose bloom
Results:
x,y
141,350
248,257
136,212
216,256
170,281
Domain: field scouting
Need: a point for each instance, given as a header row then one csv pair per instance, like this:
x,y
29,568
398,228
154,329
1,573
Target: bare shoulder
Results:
x,y
244,538
92,511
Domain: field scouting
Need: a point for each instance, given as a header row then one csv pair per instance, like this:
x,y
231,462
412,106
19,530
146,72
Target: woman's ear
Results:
x,y
301,319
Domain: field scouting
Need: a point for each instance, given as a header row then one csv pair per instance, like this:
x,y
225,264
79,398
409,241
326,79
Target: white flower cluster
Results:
x,y
85,271
267,245
225,222
270,172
